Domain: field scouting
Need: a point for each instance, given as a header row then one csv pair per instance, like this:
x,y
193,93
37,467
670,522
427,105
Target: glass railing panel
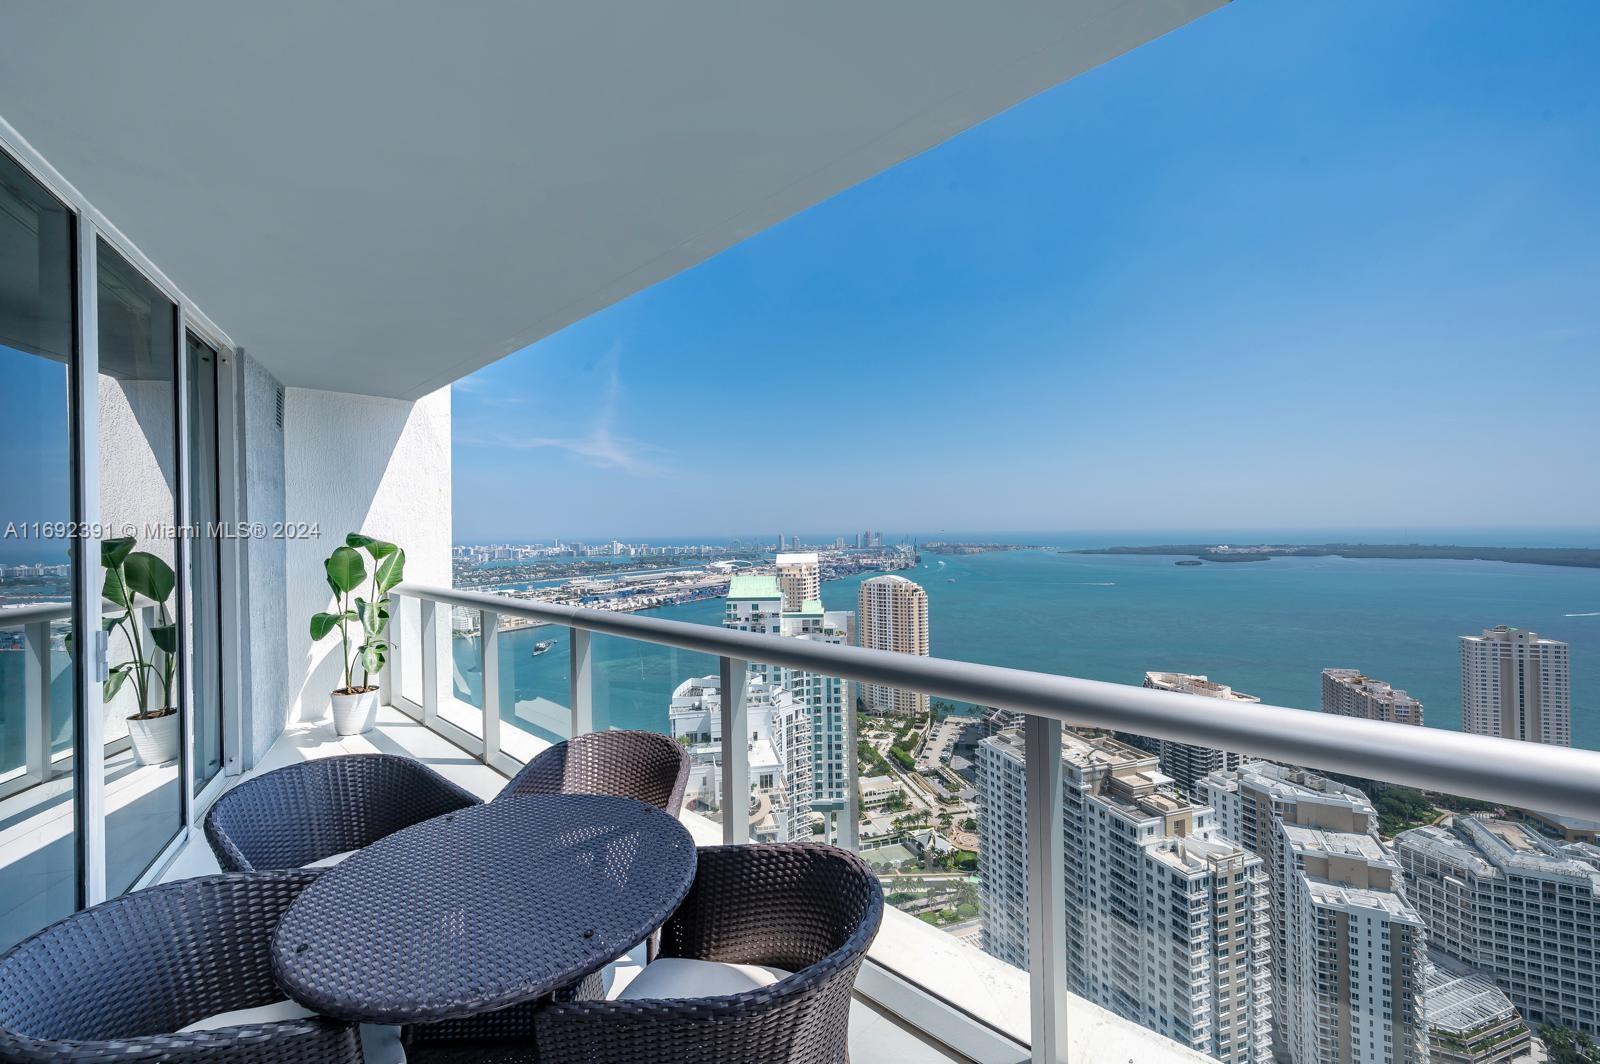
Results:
x,y
663,689
1308,915
406,630
947,834
918,812
535,684
461,686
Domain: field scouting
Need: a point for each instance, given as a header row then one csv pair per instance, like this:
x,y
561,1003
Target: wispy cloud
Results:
x,y
602,445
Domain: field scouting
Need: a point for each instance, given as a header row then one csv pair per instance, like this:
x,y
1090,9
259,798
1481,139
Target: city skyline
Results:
x,y
1280,249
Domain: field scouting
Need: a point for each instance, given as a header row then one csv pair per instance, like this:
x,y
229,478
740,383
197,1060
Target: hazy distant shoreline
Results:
x,y
1579,557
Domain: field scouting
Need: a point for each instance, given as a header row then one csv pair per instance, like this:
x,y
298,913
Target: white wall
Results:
x,y
262,605
357,463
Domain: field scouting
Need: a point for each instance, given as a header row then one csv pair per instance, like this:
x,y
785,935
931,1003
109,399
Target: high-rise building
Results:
x,y
1525,909
892,613
756,604
1349,950
1348,693
1167,920
1185,763
1516,685
779,805
800,579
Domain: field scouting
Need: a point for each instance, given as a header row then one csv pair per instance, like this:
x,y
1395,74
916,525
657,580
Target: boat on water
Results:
x,y
1189,561
542,645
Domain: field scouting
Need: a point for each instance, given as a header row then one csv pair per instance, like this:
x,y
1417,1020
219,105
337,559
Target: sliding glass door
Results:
x,y
39,802
205,561
138,455
113,407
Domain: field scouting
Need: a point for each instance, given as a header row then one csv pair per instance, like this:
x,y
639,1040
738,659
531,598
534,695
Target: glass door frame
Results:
x,y
91,226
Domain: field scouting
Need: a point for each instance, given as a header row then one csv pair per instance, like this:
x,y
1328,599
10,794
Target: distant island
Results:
x,y
938,547
1581,557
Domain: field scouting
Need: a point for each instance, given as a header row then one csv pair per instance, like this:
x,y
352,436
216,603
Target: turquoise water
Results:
x,y
1266,628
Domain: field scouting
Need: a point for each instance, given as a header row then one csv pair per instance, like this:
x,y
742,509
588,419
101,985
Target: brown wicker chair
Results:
x,y
646,766
808,909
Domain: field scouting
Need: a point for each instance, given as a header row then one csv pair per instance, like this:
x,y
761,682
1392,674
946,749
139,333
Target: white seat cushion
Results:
x,y
681,977
330,860
273,1013
379,1044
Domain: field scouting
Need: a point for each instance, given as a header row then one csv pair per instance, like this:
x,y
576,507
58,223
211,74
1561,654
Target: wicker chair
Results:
x,y
113,983
315,809
645,766
808,909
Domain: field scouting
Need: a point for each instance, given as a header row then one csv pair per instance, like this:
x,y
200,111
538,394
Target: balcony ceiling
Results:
x,y
382,196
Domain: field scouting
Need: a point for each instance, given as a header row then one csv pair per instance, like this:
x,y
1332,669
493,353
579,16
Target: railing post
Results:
x,y
735,751
36,699
849,827
582,678
489,672
1047,904
429,638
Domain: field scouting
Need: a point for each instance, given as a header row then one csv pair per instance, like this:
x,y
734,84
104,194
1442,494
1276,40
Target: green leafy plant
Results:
x,y
347,571
132,575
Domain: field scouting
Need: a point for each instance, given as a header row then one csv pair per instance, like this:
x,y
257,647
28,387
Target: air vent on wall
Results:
x,y
280,408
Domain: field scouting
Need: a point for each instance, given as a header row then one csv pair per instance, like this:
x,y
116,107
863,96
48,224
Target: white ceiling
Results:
x,y
384,195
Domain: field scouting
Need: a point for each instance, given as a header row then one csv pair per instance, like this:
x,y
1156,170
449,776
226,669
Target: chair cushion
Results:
x,y
329,861
379,1044
682,977
276,1012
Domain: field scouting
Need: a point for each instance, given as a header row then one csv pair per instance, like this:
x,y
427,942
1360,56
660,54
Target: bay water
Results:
x,y
1264,628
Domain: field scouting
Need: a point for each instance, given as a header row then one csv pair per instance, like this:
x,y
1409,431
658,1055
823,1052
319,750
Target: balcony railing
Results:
x,y
41,626
1506,772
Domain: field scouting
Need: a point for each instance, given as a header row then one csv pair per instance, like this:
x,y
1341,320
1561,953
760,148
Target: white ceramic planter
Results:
x,y
155,740
354,714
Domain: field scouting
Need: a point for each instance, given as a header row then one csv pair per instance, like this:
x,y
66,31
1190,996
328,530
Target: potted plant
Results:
x,y
356,703
132,575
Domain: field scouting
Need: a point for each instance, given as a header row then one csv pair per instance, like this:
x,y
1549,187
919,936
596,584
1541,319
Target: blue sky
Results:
x,y
1293,266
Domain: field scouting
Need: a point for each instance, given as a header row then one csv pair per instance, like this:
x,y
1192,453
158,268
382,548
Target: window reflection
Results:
x,y
38,860
138,501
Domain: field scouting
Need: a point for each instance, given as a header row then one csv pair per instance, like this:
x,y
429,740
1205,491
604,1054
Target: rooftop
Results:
x,y
1460,999
1191,684
1489,847
753,586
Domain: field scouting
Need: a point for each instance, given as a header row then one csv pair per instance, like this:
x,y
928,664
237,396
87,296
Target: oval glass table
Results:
x,y
482,908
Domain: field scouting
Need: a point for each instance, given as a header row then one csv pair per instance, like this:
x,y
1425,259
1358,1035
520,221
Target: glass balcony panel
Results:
x,y
407,625
461,694
535,685
1247,908
946,831
649,687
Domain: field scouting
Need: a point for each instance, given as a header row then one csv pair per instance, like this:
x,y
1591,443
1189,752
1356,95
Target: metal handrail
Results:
x,y
1553,779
